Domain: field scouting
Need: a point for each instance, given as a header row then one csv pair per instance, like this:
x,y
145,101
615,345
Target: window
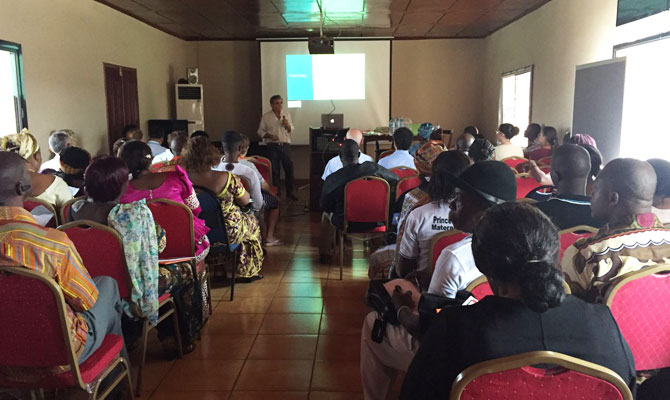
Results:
x,y
515,100
12,101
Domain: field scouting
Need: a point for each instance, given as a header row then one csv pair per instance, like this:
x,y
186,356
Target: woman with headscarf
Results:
x,y
49,188
424,133
73,163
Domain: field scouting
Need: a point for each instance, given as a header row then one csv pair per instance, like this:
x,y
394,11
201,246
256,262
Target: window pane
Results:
x,y
9,96
515,102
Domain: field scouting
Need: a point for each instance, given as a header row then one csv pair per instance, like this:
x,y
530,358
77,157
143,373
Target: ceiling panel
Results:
x,y
250,19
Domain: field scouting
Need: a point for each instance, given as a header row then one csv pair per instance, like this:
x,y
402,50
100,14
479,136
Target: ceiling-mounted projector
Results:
x,y
321,45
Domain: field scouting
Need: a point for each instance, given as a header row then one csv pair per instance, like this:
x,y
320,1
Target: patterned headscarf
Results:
x,y
580,138
424,157
22,143
425,130
74,160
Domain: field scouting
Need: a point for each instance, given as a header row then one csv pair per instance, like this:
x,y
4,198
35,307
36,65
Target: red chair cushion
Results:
x,y
405,185
109,350
178,225
446,241
482,290
640,310
164,297
525,185
532,383
403,172
366,200
568,239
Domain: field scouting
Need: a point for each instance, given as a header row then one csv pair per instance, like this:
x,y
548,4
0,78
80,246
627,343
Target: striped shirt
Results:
x,y
50,252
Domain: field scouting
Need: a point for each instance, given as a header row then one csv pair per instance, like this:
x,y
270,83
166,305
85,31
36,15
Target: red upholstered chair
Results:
x,y
639,303
525,184
571,235
514,377
515,163
101,250
442,240
404,172
480,288
34,334
245,182
406,184
366,199
40,207
386,153
264,166
65,210
177,221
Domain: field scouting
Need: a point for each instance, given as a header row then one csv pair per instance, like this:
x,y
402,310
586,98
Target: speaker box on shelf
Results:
x,y
192,76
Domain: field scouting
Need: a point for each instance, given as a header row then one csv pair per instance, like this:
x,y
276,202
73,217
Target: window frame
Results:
x,y
518,71
22,118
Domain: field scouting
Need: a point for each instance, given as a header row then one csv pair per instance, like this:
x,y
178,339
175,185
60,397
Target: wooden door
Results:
x,y
122,101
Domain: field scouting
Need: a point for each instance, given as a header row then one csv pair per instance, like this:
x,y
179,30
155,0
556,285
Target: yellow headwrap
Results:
x,y
22,143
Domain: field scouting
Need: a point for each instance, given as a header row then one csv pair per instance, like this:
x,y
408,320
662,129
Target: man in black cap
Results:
x,y
479,187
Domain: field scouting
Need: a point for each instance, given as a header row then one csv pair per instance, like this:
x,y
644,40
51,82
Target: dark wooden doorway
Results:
x,y
122,103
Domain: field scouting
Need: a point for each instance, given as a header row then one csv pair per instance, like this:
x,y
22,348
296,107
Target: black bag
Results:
x,y
379,300
431,304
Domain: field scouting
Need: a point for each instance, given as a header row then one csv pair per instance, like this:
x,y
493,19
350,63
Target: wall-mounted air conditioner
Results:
x,y
190,106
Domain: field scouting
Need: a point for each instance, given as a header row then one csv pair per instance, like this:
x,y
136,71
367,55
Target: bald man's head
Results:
x,y
624,188
464,142
570,167
355,135
349,152
14,179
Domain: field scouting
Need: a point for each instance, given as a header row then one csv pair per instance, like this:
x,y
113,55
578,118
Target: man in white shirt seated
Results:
x,y
160,153
402,141
480,186
58,141
335,163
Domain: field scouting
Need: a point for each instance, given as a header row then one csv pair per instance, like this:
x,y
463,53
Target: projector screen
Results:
x,y
355,81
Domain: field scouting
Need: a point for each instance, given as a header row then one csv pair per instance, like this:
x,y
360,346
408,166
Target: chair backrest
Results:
x,y
570,235
65,209
34,327
544,161
40,207
211,213
177,221
480,288
513,378
638,302
406,184
525,184
442,240
404,172
386,153
245,182
264,167
101,251
367,199
514,161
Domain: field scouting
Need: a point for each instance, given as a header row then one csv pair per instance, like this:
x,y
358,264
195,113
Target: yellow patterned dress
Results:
x,y
241,228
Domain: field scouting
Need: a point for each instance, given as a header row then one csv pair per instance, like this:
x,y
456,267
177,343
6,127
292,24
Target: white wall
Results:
x,y
65,43
555,38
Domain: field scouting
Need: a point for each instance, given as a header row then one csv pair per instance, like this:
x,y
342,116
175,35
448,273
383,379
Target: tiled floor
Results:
x,y
293,335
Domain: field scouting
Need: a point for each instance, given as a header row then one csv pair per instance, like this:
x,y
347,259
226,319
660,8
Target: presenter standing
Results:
x,y
275,130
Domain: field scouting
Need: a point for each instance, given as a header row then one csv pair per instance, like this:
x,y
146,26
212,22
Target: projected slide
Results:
x,y
325,76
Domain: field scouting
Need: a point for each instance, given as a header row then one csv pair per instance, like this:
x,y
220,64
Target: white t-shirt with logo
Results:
x,y
455,269
421,225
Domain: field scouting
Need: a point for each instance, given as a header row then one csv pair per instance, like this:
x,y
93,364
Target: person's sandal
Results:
x,y
275,242
249,279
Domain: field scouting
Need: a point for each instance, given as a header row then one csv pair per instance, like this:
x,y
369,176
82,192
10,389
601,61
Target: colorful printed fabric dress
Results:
x,y
241,228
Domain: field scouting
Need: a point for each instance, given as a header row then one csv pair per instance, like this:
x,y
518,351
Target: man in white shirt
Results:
x,y
335,163
402,141
160,153
58,141
275,129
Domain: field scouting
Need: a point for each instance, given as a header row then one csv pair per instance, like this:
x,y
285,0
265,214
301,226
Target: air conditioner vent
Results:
x,y
189,93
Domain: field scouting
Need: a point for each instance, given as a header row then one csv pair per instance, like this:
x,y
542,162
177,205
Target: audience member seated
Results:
x,y
116,147
93,304
159,153
568,205
531,133
199,133
402,140
631,238
58,141
479,187
73,163
270,201
106,180
546,142
517,248
332,194
464,141
335,163
177,140
49,188
580,138
505,148
423,133
132,132
173,186
199,156
424,222
481,149
661,205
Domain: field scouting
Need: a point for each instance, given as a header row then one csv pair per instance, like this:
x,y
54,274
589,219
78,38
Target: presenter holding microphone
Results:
x,y
275,130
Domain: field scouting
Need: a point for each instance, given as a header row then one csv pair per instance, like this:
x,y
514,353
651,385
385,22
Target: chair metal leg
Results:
x,y
209,288
233,272
177,331
129,378
341,254
143,357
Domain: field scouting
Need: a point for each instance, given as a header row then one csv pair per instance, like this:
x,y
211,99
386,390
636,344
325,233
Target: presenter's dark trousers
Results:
x,y
280,155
